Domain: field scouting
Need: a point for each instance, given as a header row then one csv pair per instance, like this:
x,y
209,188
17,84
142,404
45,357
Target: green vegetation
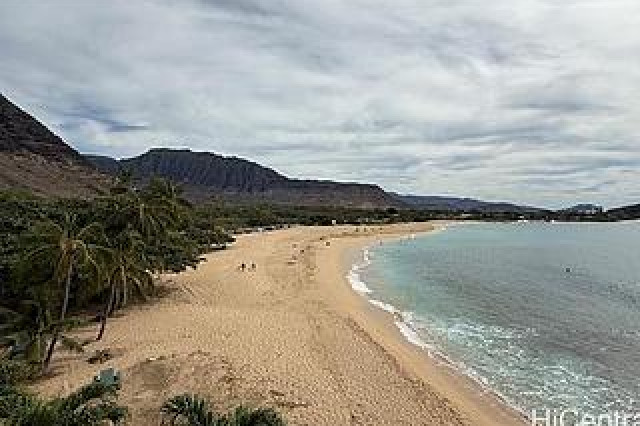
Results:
x,y
91,405
269,216
250,216
15,372
95,404
65,262
191,410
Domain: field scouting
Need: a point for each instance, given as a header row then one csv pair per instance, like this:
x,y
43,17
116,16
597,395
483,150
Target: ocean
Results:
x,y
546,315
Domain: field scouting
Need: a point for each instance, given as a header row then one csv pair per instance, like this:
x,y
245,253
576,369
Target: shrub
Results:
x,y
14,372
91,405
192,410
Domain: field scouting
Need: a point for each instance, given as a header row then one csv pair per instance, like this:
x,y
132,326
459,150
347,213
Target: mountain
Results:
x,y
33,158
631,212
456,204
205,175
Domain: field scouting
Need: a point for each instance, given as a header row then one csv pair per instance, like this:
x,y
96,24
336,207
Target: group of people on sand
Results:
x,y
245,267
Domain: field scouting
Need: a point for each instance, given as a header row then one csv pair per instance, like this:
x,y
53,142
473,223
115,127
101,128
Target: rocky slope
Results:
x,y
33,158
204,175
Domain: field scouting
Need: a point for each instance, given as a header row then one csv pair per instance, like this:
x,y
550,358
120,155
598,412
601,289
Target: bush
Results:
x,y
192,410
14,372
91,405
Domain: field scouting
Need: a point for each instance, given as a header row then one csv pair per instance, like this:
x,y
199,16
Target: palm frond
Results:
x,y
87,393
91,405
244,416
192,410
188,410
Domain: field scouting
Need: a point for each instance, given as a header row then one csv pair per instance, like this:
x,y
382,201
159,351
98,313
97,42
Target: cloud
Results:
x,y
529,100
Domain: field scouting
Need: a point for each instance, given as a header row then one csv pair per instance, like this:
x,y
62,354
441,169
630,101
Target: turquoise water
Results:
x,y
499,302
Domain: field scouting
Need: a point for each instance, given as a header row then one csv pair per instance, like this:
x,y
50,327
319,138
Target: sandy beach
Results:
x,y
292,334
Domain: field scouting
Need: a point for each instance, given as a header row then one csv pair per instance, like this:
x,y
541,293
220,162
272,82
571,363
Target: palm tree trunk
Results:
x,y
67,290
124,286
116,300
107,311
52,346
63,313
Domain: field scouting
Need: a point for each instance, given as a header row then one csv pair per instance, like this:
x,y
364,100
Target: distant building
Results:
x,y
585,209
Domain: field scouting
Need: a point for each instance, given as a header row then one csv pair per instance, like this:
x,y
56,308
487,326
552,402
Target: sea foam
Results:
x,y
402,319
354,277
408,325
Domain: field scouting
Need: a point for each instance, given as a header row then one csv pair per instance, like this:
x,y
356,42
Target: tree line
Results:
x,y
63,261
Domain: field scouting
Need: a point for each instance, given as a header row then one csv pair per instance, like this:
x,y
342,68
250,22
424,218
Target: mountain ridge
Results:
x,y
630,212
35,159
217,176
449,203
204,175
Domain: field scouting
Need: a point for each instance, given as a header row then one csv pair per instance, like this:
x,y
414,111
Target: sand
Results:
x,y
292,335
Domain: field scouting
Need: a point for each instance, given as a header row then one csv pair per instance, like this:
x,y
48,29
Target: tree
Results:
x,y
126,269
25,330
140,233
69,247
30,327
150,211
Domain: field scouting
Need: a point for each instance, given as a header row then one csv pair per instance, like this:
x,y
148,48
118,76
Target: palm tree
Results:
x,y
163,192
141,235
192,410
151,211
28,328
24,330
139,229
243,416
91,405
126,271
187,410
69,248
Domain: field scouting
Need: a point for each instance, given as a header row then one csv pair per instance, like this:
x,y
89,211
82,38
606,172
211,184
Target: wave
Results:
x,y
565,354
403,320
354,277
410,325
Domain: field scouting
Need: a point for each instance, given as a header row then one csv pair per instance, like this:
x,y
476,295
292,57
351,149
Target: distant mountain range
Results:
x,y
430,202
33,158
205,175
625,213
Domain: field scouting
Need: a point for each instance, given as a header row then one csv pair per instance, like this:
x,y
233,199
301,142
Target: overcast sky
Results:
x,y
535,101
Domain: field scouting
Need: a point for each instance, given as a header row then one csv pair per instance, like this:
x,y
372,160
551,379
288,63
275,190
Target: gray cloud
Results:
x,y
530,100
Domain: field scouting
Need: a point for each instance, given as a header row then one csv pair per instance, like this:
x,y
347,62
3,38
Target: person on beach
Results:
x,y
253,266
243,267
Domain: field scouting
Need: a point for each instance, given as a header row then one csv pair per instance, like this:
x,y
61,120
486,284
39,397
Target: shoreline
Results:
x,y
292,334
380,320
463,382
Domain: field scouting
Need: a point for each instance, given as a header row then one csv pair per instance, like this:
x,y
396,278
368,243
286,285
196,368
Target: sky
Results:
x,y
533,101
